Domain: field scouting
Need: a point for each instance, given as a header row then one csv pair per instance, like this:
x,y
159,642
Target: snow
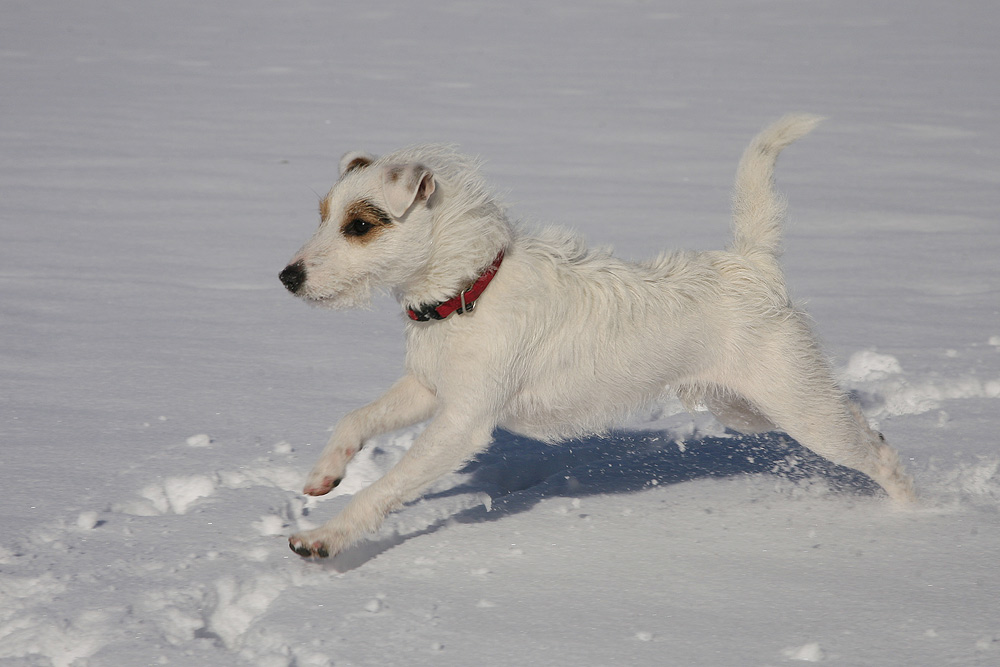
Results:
x,y
807,653
162,397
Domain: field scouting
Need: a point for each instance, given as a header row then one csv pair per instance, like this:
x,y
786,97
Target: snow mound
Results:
x,y
975,483
886,391
174,494
87,520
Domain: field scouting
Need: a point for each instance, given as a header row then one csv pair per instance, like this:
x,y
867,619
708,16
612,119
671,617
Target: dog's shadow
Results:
x,y
517,473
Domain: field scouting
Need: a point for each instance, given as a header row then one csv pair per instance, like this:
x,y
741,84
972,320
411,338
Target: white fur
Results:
x,y
566,340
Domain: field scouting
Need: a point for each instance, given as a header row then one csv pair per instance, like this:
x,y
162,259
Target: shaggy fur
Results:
x,y
566,340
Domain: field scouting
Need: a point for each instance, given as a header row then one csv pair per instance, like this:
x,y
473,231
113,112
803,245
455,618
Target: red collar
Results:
x,y
461,304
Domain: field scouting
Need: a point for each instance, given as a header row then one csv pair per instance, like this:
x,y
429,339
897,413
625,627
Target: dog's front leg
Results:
x,y
406,402
446,444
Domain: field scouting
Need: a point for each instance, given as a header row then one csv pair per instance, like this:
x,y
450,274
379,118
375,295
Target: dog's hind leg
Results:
x,y
735,412
406,402
795,389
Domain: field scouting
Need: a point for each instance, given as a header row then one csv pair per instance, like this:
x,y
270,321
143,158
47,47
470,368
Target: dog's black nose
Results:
x,y
293,276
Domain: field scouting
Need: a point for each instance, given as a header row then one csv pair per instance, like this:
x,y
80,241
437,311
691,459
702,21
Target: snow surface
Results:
x,y
161,397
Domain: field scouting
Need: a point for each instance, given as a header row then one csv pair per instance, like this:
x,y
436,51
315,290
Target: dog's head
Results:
x,y
375,232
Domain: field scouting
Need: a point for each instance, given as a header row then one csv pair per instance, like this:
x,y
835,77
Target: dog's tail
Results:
x,y
758,210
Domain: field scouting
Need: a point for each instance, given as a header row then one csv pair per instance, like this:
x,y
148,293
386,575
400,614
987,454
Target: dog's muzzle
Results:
x,y
293,276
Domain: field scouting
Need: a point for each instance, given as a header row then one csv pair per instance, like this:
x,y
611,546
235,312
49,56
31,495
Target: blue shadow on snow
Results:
x,y
518,472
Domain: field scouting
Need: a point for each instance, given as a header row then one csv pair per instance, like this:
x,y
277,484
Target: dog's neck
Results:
x,y
461,303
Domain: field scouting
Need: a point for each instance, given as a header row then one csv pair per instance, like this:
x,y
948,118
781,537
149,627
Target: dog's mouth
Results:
x,y
339,300
339,295
319,300
331,302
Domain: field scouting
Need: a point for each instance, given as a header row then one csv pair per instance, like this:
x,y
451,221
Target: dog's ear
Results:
x,y
404,184
355,160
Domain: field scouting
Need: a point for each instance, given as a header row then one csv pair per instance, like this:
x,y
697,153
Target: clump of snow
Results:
x,y
271,525
868,366
237,603
200,440
988,643
182,492
174,494
901,397
977,481
810,652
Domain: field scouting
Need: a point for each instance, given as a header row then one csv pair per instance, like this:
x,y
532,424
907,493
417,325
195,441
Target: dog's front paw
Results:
x,y
314,544
321,486
314,550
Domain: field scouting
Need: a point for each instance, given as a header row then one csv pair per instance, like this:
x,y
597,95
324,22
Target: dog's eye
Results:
x,y
357,227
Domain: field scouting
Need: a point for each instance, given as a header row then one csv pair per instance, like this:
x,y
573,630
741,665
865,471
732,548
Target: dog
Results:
x,y
539,335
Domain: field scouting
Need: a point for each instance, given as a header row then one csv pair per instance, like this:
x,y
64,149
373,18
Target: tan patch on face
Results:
x,y
363,222
324,209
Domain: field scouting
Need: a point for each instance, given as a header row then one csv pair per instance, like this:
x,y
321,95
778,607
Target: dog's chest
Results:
x,y
428,351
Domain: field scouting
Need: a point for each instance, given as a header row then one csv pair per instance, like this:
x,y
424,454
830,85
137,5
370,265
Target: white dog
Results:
x,y
543,337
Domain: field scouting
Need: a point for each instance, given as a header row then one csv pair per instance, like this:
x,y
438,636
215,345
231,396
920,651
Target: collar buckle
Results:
x,y
466,307
465,302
